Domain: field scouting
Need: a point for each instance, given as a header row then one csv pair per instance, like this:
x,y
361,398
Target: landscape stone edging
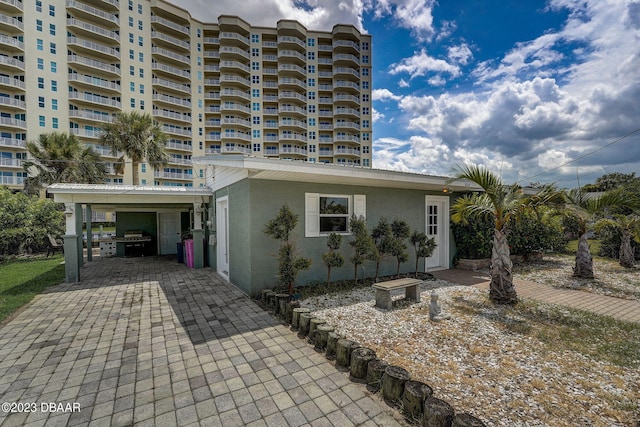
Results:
x,y
457,420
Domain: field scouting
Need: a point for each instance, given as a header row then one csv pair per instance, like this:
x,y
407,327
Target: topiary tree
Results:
x,y
332,258
289,264
400,231
383,243
423,245
362,244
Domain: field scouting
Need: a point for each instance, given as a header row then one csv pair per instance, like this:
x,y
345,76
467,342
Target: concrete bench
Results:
x,y
383,291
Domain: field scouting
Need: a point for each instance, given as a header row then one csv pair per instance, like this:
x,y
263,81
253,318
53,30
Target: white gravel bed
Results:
x,y
479,366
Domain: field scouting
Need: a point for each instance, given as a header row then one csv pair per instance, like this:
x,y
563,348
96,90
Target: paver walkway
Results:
x,y
147,341
622,309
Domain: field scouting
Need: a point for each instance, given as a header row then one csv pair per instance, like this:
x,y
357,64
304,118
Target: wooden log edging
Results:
x,y
360,358
398,390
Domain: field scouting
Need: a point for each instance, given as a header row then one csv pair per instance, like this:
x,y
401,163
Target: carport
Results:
x,y
140,205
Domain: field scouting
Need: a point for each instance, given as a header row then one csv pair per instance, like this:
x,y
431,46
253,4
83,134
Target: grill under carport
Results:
x,y
157,213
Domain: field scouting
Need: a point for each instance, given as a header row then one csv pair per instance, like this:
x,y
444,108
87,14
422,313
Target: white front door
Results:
x,y
222,236
168,232
437,226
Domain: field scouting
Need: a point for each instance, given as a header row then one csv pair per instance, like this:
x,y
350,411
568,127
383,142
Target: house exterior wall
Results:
x,y
253,203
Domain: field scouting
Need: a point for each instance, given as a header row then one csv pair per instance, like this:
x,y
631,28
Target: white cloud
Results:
x,y
460,54
384,95
415,15
403,83
437,81
376,115
421,63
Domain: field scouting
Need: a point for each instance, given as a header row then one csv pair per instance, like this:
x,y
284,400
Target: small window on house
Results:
x,y
334,214
330,213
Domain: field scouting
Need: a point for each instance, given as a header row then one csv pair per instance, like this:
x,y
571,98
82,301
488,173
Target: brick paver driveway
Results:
x,y
149,342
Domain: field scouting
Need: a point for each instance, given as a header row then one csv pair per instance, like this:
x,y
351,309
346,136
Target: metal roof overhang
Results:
x,y
113,197
284,170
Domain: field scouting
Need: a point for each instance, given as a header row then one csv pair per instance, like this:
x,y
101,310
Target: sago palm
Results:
x,y
504,204
136,135
60,157
584,207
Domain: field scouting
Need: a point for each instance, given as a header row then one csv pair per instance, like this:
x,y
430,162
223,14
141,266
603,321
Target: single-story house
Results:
x,y
242,194
247,192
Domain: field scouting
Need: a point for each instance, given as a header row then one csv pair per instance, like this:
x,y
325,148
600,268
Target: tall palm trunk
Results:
x,y
584,261
136,173
501,289
626,250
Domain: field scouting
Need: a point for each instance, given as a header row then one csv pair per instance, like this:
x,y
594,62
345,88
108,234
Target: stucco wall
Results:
x,y
253,255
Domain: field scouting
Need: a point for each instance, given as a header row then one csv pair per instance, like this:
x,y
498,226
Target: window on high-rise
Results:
x,y
140,41
41,121
52,48
39,44
365,97
40,83
255,66
140,9
130,4
54,86
52,29
54,104
140,25
365,85
255,38
132,54
133,103
52,10
132,70
38,25
311,42
40,64
131,21
311,69
311,56
41,101
142,88
365,72
54,67
54,122
132,87
130,37
38,6
365,59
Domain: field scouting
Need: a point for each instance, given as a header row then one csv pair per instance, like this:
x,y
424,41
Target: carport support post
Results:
x,y
73,242
89,234
198,236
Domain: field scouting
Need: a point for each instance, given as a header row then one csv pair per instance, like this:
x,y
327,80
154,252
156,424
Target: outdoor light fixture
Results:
x,y
445,190
69,211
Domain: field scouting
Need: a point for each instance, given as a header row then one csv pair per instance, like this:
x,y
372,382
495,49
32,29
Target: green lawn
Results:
x,y
21,280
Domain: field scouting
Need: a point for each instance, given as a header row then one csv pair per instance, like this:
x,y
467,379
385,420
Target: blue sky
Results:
x,y
522,87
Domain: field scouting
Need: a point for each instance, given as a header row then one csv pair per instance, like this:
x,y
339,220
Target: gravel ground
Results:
x,y
480,366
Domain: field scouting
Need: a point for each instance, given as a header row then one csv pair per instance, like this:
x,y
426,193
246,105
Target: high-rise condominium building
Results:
x,y
214,88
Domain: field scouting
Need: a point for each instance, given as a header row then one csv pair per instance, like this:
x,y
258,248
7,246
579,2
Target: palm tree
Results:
x,y
629,227
60,157
504,204
583,208
135,135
